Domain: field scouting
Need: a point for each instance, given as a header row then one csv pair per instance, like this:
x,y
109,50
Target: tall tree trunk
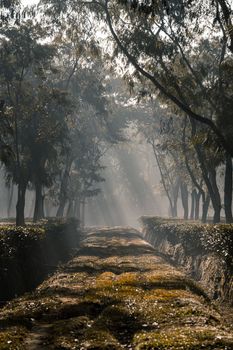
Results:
x,y
175,192
83,204
77,208
61,208
205,207
217,213
173,207
216,201
211,183
64,188
70,210
228,189
39,203
197,205
10,198
209,176
20,206
47,208
201,193
184,199
173,211
193,200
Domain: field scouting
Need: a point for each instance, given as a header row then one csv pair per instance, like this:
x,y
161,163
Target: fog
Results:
x,y
131,188
88,130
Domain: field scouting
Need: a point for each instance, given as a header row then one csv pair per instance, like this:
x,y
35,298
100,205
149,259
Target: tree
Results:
x,y
152,35
48,137
32,106
9,9
91,126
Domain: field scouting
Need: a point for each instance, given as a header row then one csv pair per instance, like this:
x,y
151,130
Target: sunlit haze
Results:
x,y
116,174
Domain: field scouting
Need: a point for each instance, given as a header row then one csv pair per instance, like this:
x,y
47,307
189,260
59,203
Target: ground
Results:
x,y
116,293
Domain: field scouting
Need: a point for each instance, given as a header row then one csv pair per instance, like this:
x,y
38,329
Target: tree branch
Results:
x,y
185,108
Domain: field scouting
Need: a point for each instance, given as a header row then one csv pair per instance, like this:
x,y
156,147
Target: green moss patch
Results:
x,y
182,339
13,338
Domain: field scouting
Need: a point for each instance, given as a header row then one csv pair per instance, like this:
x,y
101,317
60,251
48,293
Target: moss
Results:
x,y
182,339
102,302
24,310
99,340
78,334
13,338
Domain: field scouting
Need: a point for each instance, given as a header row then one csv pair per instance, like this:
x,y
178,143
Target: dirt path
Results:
x,y
117,293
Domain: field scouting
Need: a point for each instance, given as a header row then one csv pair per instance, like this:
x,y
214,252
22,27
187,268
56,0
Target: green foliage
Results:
x,y
27,252
15,239
33,117
195,237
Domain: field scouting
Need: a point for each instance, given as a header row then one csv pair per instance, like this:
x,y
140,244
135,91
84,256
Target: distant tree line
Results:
x,y
175,54
179,53
55,118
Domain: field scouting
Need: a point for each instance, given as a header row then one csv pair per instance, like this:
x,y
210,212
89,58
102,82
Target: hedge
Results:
x,y
194,236
28,254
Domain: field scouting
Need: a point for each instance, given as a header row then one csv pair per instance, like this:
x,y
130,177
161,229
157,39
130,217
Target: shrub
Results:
x,y
195,237
28,254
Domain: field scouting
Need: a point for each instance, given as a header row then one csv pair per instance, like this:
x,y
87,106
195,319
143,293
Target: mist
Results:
x,y
130,189
116,174
90,131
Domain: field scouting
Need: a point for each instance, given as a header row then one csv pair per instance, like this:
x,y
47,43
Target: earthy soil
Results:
x,y
116,293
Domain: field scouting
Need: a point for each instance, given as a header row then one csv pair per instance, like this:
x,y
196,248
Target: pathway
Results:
x,y
117,293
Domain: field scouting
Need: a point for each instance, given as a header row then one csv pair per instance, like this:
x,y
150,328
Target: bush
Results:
x,y
28,254
195,237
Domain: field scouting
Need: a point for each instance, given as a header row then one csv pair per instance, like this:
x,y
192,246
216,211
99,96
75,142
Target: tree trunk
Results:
x,y
209,176
228,189
184,199
173,208
193,198
175,198
216,200
205,208
47,207
211,184
77,209
39,203
83,203
173,211
20,206
61,208
217,214
70,210
197,205
63,188
10,198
